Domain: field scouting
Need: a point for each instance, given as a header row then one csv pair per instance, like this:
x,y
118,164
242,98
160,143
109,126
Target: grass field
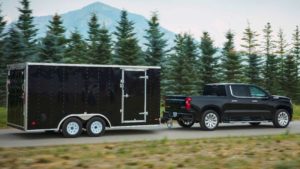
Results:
x,y
3,115
296,112
268,152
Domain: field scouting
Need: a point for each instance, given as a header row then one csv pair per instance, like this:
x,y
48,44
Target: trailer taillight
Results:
x,y
188,103
33,123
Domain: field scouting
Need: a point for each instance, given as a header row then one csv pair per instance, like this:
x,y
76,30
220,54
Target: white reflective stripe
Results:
x,y
92,65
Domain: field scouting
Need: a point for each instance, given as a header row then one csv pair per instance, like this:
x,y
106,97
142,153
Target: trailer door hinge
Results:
x,y
143,77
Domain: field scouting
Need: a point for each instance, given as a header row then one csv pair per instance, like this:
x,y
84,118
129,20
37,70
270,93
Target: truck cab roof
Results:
x,y
228,84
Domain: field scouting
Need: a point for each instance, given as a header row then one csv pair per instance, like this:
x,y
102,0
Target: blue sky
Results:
x,y
193,16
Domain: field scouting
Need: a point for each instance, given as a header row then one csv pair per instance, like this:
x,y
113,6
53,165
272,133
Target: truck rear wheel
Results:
x,y
185,123
72,127
95,127
209,120
281,118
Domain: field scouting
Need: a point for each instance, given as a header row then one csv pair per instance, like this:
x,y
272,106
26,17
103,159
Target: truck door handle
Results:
x,y
254,101
234,101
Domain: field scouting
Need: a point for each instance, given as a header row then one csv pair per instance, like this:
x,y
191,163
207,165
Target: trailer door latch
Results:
x,y
143,77
146,113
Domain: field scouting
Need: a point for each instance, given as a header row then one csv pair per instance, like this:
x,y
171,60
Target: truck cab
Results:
x,y
227,103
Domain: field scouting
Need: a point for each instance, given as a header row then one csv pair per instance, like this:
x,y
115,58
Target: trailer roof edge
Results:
x,y
92,65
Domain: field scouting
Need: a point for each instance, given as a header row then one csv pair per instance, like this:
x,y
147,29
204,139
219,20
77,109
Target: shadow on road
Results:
x,y
133,132
129,132
231,127
57,135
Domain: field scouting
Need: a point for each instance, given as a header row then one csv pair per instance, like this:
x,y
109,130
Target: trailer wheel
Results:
x,y
72,127
209,120
95,127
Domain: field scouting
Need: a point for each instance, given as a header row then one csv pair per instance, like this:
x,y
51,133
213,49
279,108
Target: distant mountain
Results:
x,y
107,15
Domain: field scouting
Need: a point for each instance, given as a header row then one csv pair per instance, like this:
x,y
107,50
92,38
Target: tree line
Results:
x,y
186,67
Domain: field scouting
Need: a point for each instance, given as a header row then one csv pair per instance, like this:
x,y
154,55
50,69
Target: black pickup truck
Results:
x,y
226,103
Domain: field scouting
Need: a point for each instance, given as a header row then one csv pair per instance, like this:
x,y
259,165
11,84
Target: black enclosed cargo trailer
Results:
x,y
69,97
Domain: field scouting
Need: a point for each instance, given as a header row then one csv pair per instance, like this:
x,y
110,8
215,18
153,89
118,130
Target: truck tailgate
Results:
x,y
174,103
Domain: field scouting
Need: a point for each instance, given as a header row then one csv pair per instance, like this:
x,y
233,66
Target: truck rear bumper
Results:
x,y
174,115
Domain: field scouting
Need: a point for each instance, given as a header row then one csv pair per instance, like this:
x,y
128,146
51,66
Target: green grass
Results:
x,y
296,112
269,152
3,117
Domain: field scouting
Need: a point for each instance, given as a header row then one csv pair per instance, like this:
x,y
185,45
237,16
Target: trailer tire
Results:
x,y
72,127
95,127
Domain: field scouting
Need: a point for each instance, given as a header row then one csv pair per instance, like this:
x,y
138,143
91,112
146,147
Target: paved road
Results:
x,y
16,138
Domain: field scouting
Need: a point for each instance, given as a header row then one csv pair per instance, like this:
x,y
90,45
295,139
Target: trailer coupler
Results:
x,y
166,119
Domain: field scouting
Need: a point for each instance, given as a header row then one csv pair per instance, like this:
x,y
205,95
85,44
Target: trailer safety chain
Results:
x,y
170,123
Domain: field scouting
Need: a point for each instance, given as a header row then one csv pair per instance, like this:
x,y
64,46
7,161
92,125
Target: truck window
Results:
x,y
240,90
257,92
214,90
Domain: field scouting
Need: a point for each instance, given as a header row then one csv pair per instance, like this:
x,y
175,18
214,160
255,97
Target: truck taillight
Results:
x,y
188,103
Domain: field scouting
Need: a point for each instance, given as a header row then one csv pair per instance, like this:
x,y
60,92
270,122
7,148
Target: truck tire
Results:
x,y
95,127
184,123
209,120
72,127
254,123
281,118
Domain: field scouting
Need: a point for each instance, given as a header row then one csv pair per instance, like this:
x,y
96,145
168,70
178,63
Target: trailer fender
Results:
x,y
84,117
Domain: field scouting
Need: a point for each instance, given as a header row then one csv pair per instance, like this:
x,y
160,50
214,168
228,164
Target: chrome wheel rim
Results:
x,y
211,120
73,128
283,118
96,127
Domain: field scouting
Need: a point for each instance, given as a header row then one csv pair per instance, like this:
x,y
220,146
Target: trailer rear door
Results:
x,y
134,87
15,98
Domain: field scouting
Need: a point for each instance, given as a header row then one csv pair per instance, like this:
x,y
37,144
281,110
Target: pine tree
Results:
x,y
53,44
231,61
296,45
104,48
27,28
14,47
172,65
281,53
183,74
3,70
208,62
270,67
253,68
290,78
93,39
127,50
155,43
295,52
76,50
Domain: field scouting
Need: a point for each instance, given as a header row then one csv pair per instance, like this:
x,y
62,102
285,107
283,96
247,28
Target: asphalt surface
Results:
x,y
15,138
